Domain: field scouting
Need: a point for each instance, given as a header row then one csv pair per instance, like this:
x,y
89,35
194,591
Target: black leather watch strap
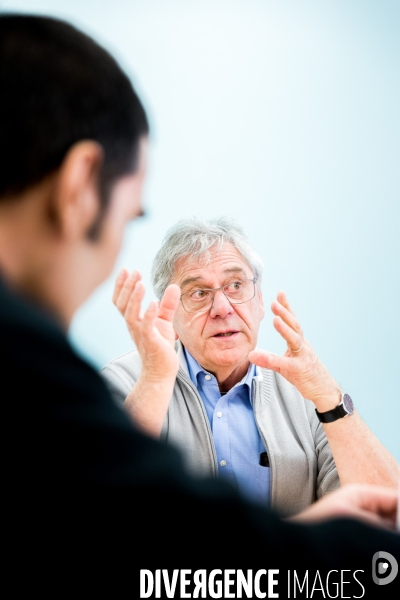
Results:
x,y
331,415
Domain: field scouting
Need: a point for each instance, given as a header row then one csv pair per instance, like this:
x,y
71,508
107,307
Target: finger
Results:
x,y
293,339
262,358
148,322
133,308
362,515
169,302
379,500
119,282
282,298
287,316
126,291
367,516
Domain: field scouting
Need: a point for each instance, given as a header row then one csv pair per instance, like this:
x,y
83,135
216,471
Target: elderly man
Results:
x,y
248,424
79,478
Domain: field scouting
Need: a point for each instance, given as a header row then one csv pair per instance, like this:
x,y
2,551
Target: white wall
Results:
x,y
283,114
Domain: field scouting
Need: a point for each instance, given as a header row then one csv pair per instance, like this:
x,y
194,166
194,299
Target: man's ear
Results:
x,y
75,202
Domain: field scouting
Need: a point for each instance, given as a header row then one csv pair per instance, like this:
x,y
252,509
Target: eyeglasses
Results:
x,y
201,299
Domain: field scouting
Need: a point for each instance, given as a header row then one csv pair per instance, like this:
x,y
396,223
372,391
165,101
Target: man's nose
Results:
x,y
221,306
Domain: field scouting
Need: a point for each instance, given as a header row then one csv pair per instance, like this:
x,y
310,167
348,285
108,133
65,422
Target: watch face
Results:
x,y
348,404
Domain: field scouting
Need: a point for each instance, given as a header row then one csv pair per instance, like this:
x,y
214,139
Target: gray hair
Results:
x,y
195,237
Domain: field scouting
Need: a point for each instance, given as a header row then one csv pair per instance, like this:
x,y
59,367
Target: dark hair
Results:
x,y
58,87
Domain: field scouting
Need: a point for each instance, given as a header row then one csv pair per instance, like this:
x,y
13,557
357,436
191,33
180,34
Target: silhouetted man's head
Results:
x,y
72,160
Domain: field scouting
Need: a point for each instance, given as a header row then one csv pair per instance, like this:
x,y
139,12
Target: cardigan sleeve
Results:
x,y
121,375
327,478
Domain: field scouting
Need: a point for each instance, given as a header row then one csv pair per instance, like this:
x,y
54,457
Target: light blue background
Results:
x,y
285,115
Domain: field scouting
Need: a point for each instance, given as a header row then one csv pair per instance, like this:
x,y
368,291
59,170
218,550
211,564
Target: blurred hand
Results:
x,y
299,365
152,331
370,503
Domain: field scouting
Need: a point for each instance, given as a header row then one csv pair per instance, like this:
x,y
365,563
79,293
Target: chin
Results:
x,y
230,358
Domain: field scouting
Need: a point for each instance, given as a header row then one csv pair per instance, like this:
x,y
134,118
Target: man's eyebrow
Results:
x,y
227,271
189,280
234,270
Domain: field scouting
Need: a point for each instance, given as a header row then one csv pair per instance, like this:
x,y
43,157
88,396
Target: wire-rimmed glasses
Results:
x,y
237,291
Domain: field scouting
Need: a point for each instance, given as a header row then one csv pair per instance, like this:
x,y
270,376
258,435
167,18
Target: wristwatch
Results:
x,y
344,409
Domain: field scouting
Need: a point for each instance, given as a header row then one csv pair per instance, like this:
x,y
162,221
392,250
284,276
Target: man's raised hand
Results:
x,y
153,333
299,365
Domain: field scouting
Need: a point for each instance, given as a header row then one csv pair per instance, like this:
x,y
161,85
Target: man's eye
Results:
x,y
198,294
234,286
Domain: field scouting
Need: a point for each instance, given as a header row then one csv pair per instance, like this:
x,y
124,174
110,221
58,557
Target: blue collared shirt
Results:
x,y
237,440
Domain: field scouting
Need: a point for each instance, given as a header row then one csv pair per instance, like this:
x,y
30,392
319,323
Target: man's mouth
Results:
x,y
225,334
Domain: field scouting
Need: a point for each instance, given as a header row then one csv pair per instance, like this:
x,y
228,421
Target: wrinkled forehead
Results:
x,y
217,263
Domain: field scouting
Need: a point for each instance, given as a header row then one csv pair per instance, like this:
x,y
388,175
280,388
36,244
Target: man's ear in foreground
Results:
x,y
75,203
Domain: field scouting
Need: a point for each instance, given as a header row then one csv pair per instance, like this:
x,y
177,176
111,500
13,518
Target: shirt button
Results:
x,y
219,414
208,377
223,463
